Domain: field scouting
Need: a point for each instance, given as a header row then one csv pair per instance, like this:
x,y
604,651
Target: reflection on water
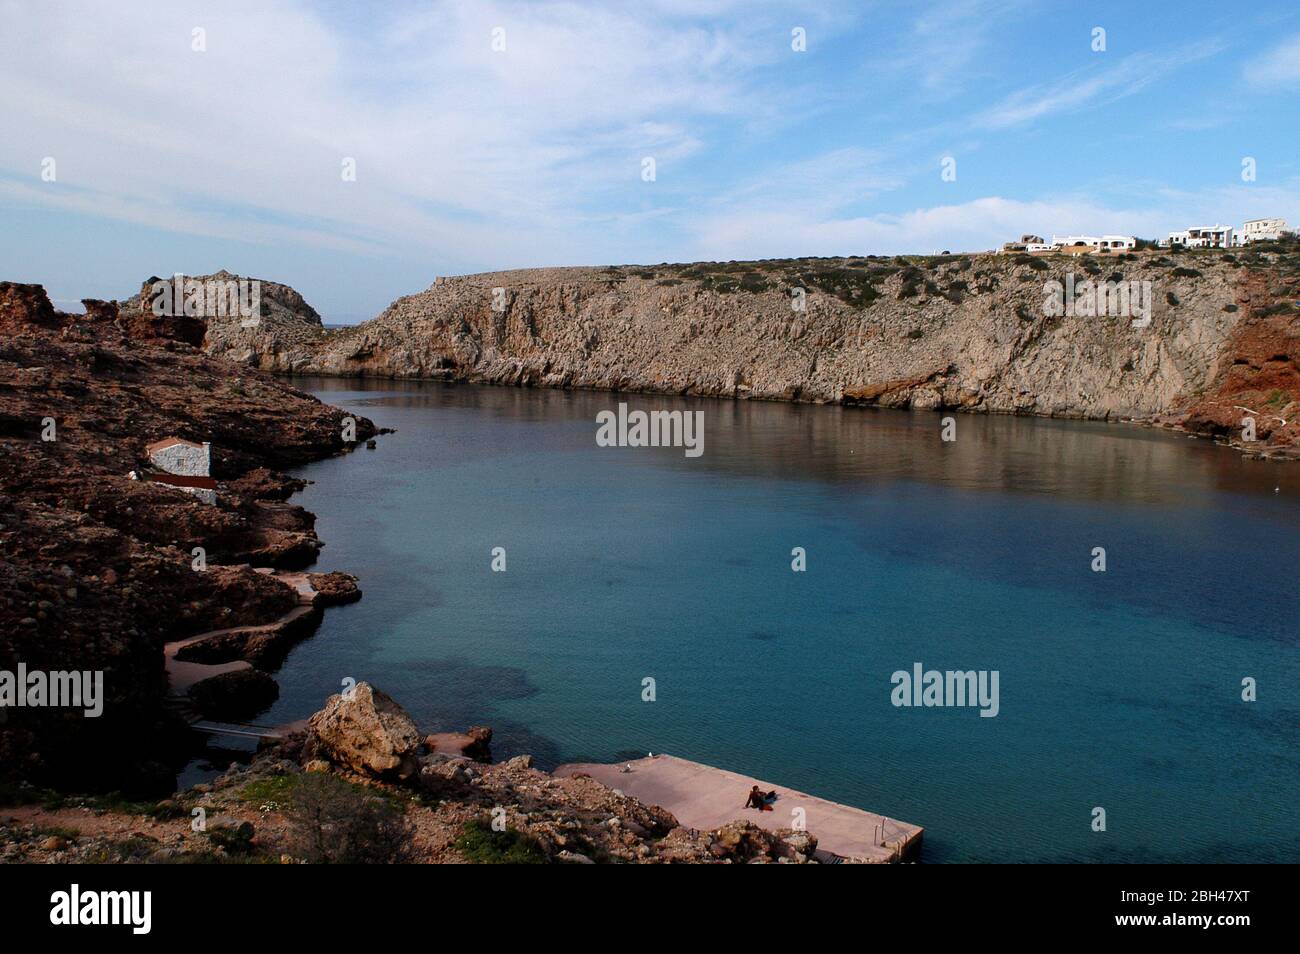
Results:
x,y
1119,689
1079,460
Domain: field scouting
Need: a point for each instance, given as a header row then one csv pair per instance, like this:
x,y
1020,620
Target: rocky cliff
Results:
x,y
96,569
970,333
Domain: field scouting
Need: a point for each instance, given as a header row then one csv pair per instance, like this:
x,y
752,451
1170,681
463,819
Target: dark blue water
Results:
x,y
1119,689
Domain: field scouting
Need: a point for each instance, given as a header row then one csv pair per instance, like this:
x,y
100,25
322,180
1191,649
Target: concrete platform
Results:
x,y
705,798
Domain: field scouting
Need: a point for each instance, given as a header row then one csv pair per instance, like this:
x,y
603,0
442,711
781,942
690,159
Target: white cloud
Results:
x,y
1089,87
977,225
462,152
1278,69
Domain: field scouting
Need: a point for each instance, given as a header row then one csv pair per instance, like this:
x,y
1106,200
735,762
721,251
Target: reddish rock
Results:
x,y
25,308
97,570
97,310
333,589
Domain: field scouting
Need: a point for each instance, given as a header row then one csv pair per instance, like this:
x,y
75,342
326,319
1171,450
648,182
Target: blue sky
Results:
x,y
169,158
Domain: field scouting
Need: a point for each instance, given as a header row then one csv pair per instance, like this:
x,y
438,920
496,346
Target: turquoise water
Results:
x,y
1119,689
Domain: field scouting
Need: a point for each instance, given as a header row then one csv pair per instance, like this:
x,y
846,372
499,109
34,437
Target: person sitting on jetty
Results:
x,y
760,799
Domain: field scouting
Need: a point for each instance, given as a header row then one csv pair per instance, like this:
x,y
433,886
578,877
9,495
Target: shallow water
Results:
x,y
1119,689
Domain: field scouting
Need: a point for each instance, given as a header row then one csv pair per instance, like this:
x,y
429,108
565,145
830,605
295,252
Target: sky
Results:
x,y
151,138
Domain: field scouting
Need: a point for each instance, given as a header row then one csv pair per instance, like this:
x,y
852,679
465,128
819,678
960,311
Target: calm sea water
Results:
x,y
1119,689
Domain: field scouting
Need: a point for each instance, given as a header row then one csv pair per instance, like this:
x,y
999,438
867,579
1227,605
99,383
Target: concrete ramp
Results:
x,y
705,798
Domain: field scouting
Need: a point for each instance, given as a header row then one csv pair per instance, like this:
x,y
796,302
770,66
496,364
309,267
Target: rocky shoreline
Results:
x,y
963,333
360,784
100,573
98,570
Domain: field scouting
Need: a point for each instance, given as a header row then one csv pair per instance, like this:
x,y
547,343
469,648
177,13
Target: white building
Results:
x,y
1261,230
184,465
1203,236
1100,243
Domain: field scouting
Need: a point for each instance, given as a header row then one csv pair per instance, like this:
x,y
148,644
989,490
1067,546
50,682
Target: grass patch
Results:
x,y
277,789
482,846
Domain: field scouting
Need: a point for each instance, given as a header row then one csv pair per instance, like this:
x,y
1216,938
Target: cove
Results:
x,y
1118,689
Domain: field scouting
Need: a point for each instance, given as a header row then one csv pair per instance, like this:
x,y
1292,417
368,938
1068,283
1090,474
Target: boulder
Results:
x,y
366,731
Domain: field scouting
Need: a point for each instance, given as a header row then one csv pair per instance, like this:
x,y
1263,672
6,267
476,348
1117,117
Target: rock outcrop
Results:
x,y
284,326
365,731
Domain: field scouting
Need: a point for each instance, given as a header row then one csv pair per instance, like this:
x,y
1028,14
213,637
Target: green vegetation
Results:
x,y
278,790
333,821
853,286
13,794
1181,272
483,846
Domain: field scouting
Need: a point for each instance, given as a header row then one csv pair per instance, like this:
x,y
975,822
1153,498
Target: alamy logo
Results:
x,y
75,907
929,688
213,298
651,429
38,689
1090,299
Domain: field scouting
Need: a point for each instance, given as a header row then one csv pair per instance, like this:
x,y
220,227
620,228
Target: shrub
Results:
x,y
1181,272
336,822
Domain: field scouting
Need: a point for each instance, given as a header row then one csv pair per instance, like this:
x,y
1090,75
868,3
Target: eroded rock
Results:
x,y
365,731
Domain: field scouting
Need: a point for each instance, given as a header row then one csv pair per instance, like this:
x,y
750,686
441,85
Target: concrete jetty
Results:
x,y
706,798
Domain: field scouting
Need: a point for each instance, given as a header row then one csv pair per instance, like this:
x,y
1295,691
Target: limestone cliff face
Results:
x,y
964,332
283,324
